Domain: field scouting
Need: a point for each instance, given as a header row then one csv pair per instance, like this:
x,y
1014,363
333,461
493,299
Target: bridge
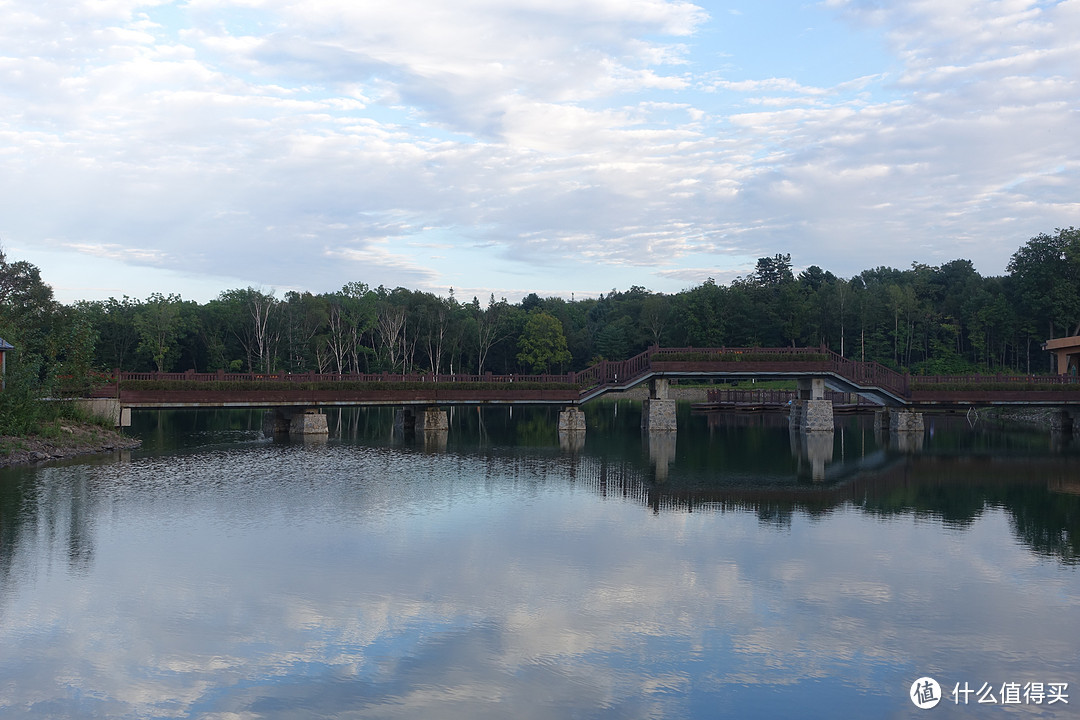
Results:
x,y
300,397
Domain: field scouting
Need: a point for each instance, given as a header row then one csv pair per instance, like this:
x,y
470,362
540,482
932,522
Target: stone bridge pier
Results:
x,y
1062,421
904,428
658,411
571,420
409,421
295,422
811,412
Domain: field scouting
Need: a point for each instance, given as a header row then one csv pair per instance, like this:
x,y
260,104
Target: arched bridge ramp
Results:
x,y
872,381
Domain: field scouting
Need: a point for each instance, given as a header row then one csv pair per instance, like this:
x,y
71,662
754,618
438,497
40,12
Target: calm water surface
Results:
x,y
496,572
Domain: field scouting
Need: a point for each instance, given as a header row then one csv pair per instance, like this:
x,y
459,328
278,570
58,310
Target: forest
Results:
x,y
927,320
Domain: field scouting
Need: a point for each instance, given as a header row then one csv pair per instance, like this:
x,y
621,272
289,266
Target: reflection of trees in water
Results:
x,y
13,497
536,431
1049,526
957,506
58,514
1040,495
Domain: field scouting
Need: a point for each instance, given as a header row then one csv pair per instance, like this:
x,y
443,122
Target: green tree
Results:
x,y
160,324
774,270
489,326
542,344
1046,272
27,309
304,316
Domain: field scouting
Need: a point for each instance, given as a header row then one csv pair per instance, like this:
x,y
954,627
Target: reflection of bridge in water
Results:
x,y
956,489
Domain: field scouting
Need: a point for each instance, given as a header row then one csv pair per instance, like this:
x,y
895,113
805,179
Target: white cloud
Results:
x,y
567,132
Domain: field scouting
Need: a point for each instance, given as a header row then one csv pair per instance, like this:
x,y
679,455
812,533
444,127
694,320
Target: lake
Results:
x,y
497,571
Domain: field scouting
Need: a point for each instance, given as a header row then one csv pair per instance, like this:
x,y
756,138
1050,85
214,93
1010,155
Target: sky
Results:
x,y
502,147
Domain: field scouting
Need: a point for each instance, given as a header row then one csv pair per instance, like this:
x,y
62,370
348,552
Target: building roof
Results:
x,y
1070,343
5,345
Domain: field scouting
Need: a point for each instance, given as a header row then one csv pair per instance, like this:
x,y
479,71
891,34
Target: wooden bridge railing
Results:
x,y
929,381
625,372
605,373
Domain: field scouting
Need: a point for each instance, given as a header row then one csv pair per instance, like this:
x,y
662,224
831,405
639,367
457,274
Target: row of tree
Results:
x,y
926,319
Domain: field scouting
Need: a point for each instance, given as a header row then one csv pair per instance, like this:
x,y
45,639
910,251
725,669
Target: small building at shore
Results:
x,y
1067,352
5,346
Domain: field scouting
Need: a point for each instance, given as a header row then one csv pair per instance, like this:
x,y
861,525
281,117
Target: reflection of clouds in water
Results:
x,y
454,674
350,591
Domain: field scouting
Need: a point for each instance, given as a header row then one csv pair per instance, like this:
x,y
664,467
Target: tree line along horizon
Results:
x,y
927,320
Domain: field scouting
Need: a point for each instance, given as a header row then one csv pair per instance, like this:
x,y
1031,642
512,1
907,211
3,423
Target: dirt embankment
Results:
x,y
1043,417
74,439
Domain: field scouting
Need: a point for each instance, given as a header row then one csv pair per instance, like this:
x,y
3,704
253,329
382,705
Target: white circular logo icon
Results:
x,y
925,693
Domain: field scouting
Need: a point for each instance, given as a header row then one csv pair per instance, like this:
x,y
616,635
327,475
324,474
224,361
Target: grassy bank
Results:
x,y
35,430
62,439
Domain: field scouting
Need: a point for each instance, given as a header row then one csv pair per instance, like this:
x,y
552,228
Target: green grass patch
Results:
x,y
735,357
342,386
995,386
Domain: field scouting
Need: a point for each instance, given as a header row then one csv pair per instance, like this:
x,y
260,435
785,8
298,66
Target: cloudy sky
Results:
x,y
511,146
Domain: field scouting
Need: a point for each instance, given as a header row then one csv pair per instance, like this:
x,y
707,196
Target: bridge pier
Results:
x,y
432,419
292,422
408,422
904,428
658,411
108,409
892,420
1062,422
811,412
571,420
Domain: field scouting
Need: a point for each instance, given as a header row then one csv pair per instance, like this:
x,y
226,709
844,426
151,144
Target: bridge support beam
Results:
x,y
658,411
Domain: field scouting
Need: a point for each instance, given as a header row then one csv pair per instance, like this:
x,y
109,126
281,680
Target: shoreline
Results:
x,y
75,439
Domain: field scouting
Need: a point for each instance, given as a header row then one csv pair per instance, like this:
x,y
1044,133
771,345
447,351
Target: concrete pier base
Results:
x,y
658,415
1062,422
658,412
294,423
107,408
811,412
275,424
903,428
404,422
432,419
811,416
899,421
410,422
572,419
309,422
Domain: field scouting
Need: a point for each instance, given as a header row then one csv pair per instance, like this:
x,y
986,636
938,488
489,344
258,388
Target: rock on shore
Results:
x,y
74,439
